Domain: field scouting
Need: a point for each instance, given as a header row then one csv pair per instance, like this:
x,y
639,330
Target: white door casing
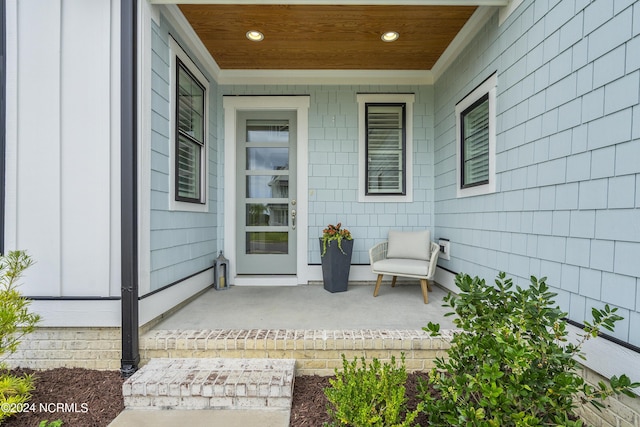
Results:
x,y
232,105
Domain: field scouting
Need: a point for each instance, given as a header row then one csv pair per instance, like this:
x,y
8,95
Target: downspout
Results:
x,y
3,116
129,186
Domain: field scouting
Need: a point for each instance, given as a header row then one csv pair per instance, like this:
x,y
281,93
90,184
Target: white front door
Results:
x,y
266,192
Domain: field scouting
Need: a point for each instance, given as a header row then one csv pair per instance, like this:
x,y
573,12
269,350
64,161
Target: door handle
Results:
x,y
293,218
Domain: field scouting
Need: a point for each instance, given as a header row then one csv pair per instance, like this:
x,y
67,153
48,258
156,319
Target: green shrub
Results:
x,y
15,323
512,365
47,423
369,395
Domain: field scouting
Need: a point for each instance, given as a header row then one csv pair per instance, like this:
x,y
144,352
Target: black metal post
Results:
x,y
129,192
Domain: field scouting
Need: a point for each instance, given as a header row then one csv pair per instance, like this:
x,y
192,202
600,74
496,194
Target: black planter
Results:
x,y
336,265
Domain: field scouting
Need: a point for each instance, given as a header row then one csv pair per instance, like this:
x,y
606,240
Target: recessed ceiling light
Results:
x,y
390,36
255,36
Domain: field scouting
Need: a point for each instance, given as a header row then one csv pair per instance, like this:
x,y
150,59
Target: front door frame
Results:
x,y
231,105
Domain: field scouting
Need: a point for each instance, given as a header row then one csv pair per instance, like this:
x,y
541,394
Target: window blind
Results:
x,y
188,169
475,143
190,136
385,149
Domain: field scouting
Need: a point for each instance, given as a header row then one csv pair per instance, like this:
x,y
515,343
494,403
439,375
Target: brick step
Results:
x,y
215,383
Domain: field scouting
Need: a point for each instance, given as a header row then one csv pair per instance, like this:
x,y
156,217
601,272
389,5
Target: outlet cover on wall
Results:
x,y
445,249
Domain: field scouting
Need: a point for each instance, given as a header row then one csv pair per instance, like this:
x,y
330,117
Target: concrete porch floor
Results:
x,y
307,324
310,307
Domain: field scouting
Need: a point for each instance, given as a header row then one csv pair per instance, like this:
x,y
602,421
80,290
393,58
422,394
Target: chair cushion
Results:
x,y
401,267
409,244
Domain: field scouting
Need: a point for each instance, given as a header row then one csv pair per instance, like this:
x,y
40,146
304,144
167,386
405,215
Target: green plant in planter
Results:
x,y
334,232
369,395
15,322
512,364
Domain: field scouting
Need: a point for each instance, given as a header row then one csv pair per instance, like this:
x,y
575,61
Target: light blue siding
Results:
x,y
333,165
627,155
602,162
182,243
568,129
567,204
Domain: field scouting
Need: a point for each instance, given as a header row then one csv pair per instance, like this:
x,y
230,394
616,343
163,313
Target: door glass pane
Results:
x,y
267,158
267,186
267,242
262,214
268,131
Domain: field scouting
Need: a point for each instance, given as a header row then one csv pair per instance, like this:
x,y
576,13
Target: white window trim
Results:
x,y
176,51
408,99
488,86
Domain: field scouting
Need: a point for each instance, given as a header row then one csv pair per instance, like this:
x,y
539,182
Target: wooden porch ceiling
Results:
x,y
326,37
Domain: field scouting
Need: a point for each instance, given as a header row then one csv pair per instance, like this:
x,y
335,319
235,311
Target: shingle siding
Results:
x,y
333,165
567,155
568,176
181,243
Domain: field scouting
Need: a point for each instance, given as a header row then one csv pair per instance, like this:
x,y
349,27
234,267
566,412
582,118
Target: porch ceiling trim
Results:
x,y
335,77
346,2
461,40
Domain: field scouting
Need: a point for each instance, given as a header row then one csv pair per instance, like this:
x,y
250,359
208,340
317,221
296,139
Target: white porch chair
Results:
x,y
405,254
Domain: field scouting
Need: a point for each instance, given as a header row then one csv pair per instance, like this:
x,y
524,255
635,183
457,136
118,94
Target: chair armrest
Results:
x,y
378,252
433,260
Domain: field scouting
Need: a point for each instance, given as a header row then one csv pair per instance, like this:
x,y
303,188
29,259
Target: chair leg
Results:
x,y
378,283
393,281
429,285
425,295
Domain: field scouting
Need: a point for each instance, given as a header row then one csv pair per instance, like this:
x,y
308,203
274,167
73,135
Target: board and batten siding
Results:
x,y
63,155
567,204
181,243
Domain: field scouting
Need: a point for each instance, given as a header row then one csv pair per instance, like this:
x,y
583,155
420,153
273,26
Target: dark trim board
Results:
x,y
177,282
352,265
606,337
71,298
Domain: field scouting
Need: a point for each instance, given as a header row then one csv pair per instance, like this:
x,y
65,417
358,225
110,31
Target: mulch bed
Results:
x,y
78,397
309,407
91,398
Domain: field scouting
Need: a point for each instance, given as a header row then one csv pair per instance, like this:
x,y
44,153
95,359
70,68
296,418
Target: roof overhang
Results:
x,y
225,75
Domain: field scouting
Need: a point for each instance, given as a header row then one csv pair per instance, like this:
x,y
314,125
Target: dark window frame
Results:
x,y
403,105
201,199
481,100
